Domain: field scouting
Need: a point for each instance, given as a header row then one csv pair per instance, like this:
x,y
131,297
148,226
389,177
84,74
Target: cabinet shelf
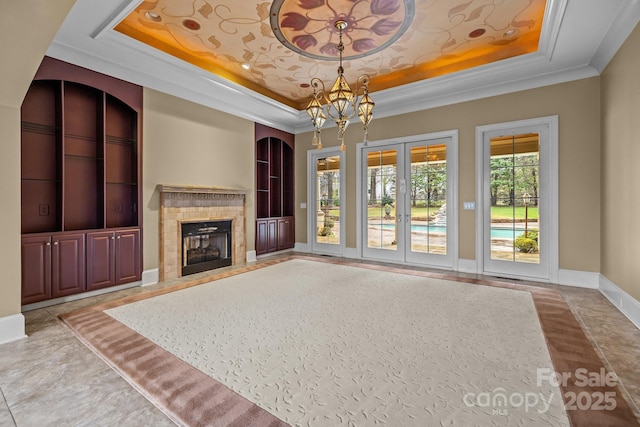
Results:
x,y
117,140
274,200
87,138
40,180
79,156
80,173
39,128
128,184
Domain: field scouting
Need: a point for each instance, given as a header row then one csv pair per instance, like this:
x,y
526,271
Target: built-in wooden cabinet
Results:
x,y
274,190
53,266
113,258
80,170
285,233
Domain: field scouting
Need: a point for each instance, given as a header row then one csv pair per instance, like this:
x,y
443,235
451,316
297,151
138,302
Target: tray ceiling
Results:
x,y
420,54
276,48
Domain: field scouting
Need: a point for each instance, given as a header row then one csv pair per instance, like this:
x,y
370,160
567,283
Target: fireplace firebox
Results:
x,y
205,245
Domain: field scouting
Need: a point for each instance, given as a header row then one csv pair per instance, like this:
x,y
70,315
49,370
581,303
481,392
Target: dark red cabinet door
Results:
x,y
285,233
67,265
36,269
100,260
261,237
127,256
272,235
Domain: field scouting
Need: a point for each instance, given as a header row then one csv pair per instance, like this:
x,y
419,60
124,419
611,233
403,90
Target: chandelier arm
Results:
x,y
362,83
345,117
318,86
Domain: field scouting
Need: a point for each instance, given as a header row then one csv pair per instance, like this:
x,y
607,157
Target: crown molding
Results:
x,y
578,40
624,23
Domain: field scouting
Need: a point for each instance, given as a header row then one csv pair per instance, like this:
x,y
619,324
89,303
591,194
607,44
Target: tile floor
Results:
x,y
52,379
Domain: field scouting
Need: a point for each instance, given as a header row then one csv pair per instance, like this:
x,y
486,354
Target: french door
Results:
x,y
407,206
517,217
326,201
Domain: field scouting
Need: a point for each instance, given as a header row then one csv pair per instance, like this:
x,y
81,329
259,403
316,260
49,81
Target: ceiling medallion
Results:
x,y
322,30
308,26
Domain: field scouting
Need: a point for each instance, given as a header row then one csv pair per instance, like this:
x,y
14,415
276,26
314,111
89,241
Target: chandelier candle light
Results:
x,y
341,103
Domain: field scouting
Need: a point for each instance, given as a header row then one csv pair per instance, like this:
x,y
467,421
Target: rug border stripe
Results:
x,y
557,322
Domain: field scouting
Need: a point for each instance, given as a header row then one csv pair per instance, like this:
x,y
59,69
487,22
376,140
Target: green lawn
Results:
x,y
497,212
507,212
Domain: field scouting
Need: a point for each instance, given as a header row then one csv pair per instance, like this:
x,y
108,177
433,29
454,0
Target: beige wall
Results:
x,y
10,211
188,144
620,167
578,106
171,124
20,58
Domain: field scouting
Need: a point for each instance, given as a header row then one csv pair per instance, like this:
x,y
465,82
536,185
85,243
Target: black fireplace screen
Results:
x,y
205,245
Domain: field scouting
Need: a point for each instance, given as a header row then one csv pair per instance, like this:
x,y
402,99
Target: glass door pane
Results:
x,y
514,189
427,199
382,203
327,203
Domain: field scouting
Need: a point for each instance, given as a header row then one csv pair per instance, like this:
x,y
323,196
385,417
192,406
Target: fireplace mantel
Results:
x,y
191,189
185,203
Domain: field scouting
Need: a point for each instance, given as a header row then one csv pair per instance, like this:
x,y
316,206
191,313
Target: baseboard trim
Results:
x,y
580,279
301,247
76,297
351,253
467,266
12,328
624,302
150,277
251,256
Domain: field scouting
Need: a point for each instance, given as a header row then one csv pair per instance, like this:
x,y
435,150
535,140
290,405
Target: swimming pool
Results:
x,y
496,232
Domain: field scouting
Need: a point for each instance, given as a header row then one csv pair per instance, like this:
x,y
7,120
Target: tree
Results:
x,y
526,176
437,181
501,183
418,182
388,179
373,185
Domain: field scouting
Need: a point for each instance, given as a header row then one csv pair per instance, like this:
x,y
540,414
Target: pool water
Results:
x,y
496,232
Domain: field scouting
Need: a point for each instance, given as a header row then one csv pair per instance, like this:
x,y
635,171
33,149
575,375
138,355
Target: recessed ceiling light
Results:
x,y
246,66
153,16
510,33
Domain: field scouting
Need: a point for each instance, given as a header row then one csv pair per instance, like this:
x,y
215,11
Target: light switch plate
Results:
x,y
469,206
303,206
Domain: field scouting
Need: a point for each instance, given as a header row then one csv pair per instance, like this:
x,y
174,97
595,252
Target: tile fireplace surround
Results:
x,y
180,203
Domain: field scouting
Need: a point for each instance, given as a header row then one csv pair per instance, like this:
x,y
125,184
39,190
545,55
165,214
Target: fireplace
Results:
x,y
186,204
205,245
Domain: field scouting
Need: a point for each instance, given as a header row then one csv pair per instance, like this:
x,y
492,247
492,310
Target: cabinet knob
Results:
x,y
113,238
48,244
118,237
55,243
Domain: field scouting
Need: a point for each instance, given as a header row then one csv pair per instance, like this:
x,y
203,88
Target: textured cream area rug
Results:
x,y
322,344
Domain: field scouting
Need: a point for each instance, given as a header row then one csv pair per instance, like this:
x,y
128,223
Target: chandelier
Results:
x,y
341,103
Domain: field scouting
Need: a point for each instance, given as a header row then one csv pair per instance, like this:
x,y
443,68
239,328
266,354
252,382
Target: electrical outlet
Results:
x,y
118,207
44,210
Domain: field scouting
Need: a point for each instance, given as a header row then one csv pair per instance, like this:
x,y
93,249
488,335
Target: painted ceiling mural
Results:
x,y
276,48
